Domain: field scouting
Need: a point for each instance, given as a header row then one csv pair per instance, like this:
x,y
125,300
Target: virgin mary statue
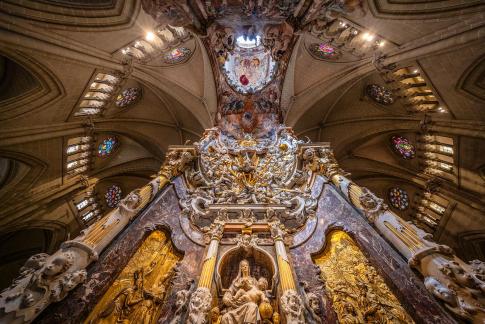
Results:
x,y
243,297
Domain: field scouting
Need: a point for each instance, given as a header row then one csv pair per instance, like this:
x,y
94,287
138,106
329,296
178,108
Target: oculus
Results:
x,y
380,94
249,68
128,97
322,50
177,55
403,147
398,198
113,196
108,146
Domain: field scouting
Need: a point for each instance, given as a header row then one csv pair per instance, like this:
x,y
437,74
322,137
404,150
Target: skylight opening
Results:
x,y
247,42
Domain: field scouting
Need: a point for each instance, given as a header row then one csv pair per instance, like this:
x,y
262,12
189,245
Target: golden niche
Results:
x,y
358,292
138,293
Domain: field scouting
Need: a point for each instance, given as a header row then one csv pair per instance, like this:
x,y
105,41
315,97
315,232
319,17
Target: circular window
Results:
x,y
322,50
113,196
128,97
380,94
398,198
403,147
108,146
177,55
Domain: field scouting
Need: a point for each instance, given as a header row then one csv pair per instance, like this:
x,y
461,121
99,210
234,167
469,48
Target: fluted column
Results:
x,y
286,276
459,285
54,276
291,303
208,267
201,299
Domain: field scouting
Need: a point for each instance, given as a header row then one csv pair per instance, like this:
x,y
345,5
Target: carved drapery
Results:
x,y
358,292
137,294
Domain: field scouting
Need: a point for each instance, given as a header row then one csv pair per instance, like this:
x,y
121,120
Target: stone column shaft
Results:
x,y
48,274
459,285
209,263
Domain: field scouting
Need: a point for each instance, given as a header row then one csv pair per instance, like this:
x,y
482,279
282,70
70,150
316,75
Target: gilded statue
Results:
x,y
138,293
244,298
359,294
137,304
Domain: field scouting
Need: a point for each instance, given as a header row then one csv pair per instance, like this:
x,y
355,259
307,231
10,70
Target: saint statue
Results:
x,y
243,297
136,304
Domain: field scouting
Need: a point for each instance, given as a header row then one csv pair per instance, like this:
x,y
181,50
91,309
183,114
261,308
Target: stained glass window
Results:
x,y
380,94
107,146
113,196
128,97
323,50
177,55
398,198
403,147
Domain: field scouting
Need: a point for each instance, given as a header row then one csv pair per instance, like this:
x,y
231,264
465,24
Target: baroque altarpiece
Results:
x,y
250,224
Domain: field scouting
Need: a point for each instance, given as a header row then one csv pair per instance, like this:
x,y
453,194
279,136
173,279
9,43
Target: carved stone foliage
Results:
x,y
320,159
238,180
47,279
138,293
461,288
199,306
358,292
371,205
292,307
43,279
197,15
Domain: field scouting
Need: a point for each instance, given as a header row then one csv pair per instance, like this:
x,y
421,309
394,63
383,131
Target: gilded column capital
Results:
x,y
277,230
321,160
176,161
217,229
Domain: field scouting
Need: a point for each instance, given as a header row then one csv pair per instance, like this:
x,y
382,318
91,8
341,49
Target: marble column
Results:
x,y
201,299
61,272
460,286
290,301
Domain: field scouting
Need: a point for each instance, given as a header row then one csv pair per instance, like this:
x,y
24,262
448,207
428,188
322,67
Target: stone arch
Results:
x,y
228,263
22,173
472,245
20,243
472,80
30,85
69,14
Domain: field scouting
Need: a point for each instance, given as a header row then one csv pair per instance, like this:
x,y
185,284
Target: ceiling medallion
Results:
x,y
250,67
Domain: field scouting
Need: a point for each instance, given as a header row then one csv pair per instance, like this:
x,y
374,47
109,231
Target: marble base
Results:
x,y
334,212
163,213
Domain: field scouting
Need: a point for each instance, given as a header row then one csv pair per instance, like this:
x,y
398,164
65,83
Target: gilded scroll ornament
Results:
x,y
358,292
138,293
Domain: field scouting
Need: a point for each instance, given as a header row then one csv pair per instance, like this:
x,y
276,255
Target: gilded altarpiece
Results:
x,y
137,295
358,292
